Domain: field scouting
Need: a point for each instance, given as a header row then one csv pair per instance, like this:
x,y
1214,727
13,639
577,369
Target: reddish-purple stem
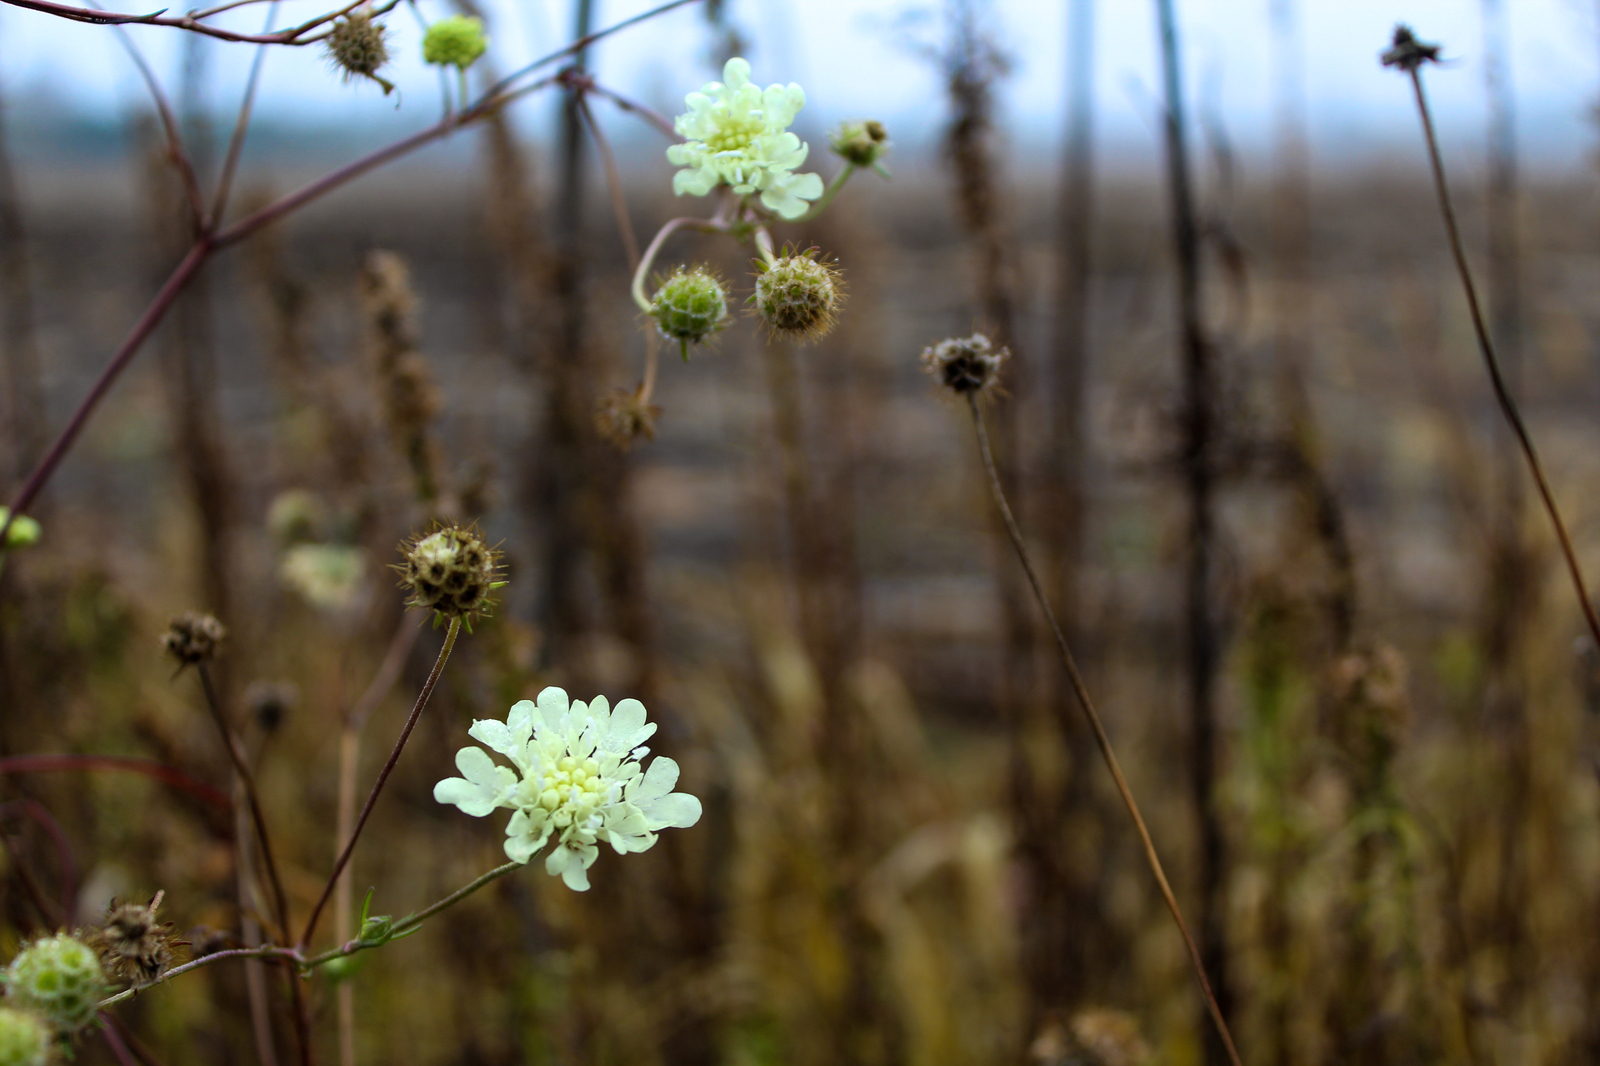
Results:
x,y
167,775
66,867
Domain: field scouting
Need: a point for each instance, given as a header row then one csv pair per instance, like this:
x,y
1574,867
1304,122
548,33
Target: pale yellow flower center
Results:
x,y
735,134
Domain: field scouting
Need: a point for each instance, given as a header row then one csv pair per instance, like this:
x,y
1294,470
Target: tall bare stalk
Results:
x,y
1199,480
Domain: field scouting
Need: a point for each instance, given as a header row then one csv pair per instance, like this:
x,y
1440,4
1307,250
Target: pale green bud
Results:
x,y
690,306
24,531
456,41
24,1038
60,978
798,297
860,143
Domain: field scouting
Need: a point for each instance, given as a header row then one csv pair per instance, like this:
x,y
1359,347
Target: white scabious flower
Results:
x,y
739,135
578,778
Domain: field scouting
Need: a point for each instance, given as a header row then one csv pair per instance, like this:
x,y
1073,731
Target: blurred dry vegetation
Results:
x,y
905,857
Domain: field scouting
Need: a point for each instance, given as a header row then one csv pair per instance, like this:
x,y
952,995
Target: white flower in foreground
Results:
x,y
578,779
738,134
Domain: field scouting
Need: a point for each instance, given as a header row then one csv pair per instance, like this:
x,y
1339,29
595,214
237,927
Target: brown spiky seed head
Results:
x,y
625,416
358,45
133,944
798,296
194,638
451,571
967,365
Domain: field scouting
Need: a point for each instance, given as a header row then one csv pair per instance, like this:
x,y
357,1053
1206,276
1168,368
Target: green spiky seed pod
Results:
x,y
24,1038
450,571
358,46
798,297
456,41
965,365
59,978
690,306
860,143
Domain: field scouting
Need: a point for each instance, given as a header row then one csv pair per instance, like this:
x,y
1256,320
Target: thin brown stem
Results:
x,y
169,125
619,199
266,951
1087,704
383,776
230,162
295,36
1508,406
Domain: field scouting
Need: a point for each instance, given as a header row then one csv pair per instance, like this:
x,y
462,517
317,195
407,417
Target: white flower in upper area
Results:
x,y
578,778
738,134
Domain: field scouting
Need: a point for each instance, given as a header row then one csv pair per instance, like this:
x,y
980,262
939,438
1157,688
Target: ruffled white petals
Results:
x,y
578,781
737,134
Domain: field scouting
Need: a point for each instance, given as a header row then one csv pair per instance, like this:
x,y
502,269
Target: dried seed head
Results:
x,y
358,46
690,306
860,143
59,977
967,365
1369,708
269,702
1408,53
625,416
456,41
798,296
451,571
193,638
133,945
24,1038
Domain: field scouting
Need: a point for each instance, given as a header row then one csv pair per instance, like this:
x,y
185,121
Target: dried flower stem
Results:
x,y
1093,716
1502,394
383,776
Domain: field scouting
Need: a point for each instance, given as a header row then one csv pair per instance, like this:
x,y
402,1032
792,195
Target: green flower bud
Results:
x,y
451,571
24,1038
456,41
377,929
24,531
799,297
58,977
690,306
860,143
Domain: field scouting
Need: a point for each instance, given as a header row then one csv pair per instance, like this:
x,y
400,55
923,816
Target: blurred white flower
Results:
x,y
738,134
578,778
329,576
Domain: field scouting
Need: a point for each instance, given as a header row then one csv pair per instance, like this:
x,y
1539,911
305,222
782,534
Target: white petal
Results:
x,y
658,781
735,73
679,810
496,736
472,797
552,706
521,716
806,186
522,847
628,727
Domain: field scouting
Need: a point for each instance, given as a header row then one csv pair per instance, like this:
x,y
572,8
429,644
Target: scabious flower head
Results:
x,y
60,978
965,365
451,571
194,638
738,135
578,779
133,944
24,1038
358,46
690,306
861,144
456,41
329,576
798,296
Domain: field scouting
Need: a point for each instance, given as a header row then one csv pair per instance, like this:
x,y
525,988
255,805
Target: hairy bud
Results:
x,y
24,1038
60,978
861,144
358,46
456,41
798,297
689,307
450,571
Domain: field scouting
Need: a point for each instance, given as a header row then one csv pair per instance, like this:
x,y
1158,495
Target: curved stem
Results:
x,y
383,776
1508,406
649,257
241,125
1101,739
763,241
266,951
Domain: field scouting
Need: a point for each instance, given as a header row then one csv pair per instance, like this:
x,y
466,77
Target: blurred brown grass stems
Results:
x,y
1296,540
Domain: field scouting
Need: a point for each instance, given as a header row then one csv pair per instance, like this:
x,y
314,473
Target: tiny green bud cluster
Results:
x,y
861,144
451,571
456,41
690,306
967,365
798,296
193,638
358,46
24,531
59,977
24,1038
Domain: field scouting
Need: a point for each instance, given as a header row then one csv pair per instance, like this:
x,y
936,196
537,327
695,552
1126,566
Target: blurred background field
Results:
x,y
910,852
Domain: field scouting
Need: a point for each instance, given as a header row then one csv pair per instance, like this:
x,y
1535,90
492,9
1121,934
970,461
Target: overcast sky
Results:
x,y
852,59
